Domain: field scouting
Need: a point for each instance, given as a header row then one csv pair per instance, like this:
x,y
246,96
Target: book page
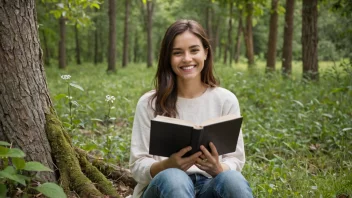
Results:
x,y
173,120
219,119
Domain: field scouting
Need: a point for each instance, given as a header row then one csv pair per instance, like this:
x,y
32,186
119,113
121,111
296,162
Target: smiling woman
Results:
x,y
186,88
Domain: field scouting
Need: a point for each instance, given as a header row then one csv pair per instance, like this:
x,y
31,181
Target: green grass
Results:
x,y
297,133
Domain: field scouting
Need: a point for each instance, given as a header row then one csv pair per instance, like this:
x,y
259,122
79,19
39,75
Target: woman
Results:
x,y
186,88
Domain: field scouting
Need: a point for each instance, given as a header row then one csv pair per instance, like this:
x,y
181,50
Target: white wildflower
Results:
x,y
314,187
69,97
65,77
109,98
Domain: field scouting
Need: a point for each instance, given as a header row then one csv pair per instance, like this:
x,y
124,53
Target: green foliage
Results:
x,y
20,176
296,133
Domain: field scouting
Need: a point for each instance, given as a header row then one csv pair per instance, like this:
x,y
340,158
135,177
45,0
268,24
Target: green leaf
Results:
x,y
299,103
3,190
346,129
2,143
12,152
59,96
10,173
76,86
51,190
36,166
95,5
19,163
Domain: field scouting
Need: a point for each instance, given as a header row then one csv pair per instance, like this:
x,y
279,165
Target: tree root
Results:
x,y
111,171
71,175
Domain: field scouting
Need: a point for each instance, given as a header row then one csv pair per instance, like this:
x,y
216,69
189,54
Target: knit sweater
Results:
x,y
213,103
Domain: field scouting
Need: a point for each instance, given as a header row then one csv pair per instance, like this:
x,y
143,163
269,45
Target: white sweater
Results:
x,y
213,103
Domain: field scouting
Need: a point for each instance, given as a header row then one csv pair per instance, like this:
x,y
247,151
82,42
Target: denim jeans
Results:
x,y
175,183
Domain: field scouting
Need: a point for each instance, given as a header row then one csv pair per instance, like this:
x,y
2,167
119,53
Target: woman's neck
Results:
x,y
190,89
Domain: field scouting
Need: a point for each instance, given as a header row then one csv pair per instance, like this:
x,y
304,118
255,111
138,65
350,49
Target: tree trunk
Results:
x,y
310,39
78,50
112,37
271,59
249,35
208,22
46,50
238,37
135,47
96,39
62,43
229,44
150,10
125,37
27,118
288,36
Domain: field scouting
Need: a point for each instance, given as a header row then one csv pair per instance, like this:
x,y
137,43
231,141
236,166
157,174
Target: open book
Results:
x,y
169,135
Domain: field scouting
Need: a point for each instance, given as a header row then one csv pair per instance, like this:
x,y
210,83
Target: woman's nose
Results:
x,y
187,57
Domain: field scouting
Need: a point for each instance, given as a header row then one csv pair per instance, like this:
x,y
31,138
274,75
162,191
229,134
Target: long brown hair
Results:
x,y
165,78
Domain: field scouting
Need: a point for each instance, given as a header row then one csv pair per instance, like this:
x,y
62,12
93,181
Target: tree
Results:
x,y
310,39
238,37
288,36
229,35
271,59
78,50
150,11
112,37
248,34
28,119
125,36
62,43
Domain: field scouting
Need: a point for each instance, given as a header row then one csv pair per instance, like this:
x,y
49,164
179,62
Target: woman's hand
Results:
x,y
176,160
209,162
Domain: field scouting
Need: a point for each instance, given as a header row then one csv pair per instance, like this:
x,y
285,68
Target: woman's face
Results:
x,y
188,56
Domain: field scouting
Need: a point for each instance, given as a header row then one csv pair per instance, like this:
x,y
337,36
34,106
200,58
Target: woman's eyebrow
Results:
x,y
193,46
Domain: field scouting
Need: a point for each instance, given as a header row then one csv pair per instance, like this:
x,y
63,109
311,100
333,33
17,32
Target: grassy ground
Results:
x,y
297,133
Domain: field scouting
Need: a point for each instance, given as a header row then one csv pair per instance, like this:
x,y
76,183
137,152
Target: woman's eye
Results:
x,y
176,53
195,51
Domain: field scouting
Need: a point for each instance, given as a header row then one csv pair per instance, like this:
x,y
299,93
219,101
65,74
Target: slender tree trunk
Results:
x,y
229,44
112,37
96,39
310,39
150,10
62,43
135,47
271,59
238,37
78,50
249,35
208,22
217,36
125,39
288,37
46,50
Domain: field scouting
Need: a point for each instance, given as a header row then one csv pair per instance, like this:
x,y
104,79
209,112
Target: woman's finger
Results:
x,y
214,151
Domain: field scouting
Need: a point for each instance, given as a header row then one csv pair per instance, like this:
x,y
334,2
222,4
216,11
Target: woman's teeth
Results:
x,y
188,67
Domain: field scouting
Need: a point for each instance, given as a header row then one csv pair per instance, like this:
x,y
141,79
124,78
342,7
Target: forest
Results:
x,y
72,71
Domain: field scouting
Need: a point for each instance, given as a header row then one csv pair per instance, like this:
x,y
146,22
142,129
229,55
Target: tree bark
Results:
x,y
249,35
135,47
23,89
62,43
288,37
125,38
112,37
310,39
271,59
78,50
238,37
27,118
229,35
96,39
150,10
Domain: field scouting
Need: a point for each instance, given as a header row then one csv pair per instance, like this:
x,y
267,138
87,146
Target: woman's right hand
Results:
x,y
177,161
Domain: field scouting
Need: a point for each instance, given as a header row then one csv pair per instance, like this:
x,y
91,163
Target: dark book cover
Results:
x,y
168,137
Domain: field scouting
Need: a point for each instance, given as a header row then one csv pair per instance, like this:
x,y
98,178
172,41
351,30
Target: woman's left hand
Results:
x,y
209,162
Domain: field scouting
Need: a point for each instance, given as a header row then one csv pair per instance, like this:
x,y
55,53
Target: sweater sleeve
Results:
x,y
140,160
236,159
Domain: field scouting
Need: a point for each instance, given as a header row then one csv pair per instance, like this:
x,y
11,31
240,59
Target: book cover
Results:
x,y
169,135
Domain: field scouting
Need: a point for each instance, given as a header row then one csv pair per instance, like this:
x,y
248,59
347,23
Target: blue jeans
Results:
x,y
175,183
